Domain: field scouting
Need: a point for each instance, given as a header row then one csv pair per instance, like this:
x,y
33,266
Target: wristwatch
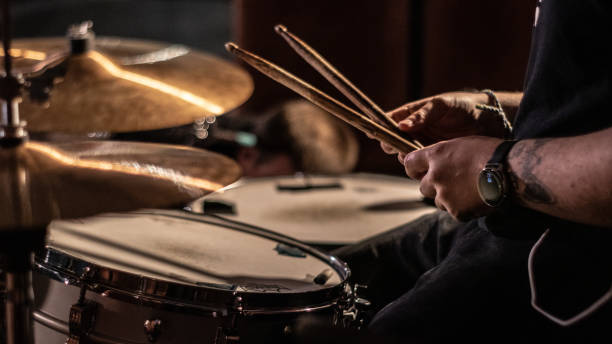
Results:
x,y
492,180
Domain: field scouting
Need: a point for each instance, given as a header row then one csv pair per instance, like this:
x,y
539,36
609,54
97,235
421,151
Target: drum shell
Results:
x,y
122,321
196,311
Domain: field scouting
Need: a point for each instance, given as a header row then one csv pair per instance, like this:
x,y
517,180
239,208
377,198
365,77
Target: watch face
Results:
x,y
490,187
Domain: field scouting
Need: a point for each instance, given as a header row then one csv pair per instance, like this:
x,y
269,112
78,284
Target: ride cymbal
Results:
x,y
46,181
127,85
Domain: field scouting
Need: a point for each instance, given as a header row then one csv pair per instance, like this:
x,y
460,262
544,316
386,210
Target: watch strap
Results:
x,y
500,153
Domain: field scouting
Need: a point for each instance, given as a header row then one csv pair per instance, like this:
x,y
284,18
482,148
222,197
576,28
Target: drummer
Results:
x,y
449,281
291,137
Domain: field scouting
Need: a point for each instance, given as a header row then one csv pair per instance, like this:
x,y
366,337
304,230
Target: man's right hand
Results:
x,y
447,116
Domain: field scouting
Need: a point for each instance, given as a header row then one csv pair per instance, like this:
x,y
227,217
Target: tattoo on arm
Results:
x,y
524,182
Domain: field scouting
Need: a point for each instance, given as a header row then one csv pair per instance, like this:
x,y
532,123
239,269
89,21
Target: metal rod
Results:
x,y
323,100
10,110
6,36
18,308
10,113
18,304
344,85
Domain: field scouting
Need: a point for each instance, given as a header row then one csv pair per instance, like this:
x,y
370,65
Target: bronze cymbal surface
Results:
x,y
130,85
41,182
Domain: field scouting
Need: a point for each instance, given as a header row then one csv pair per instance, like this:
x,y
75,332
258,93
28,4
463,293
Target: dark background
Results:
x,y
204,24
394,50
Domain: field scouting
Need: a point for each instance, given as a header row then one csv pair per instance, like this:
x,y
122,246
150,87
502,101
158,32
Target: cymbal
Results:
x,y
45,181
130,85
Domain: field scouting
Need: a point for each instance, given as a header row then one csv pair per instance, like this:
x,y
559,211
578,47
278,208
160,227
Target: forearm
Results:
x,y
570,178
510,101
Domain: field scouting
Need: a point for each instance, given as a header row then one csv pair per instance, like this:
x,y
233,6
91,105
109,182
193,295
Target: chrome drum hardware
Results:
x,y
138,281
152,329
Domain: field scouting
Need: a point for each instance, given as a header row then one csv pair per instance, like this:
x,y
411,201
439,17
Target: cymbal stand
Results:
x,y
17,243
10,88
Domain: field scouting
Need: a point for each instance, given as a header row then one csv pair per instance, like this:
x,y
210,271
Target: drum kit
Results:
x,y
149,275
86,252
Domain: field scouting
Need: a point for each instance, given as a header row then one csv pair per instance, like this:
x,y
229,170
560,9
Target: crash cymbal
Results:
x,y
130,85
45,181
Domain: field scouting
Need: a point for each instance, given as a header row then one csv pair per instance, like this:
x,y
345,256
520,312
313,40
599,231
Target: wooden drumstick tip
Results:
x,y
279,28
231,47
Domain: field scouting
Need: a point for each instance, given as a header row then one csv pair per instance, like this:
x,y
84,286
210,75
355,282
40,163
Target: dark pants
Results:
x,y
436,280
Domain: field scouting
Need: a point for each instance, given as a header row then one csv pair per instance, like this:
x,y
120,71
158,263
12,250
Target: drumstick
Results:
x,y
323,100
355,95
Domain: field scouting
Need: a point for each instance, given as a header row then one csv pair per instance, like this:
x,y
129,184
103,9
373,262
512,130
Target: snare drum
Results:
x,y
172,277
319,210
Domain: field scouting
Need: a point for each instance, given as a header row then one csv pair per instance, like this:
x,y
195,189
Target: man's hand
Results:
x,y
448,172
452,115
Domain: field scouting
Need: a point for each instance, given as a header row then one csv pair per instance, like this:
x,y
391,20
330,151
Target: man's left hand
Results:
x,y
448,172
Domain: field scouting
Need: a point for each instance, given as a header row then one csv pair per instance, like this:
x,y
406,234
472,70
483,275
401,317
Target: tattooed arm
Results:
x,y
569,177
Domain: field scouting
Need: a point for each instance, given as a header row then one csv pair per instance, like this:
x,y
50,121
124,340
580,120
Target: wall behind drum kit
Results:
x,y
395,51
201,24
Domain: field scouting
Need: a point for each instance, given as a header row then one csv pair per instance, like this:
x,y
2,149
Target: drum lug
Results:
x,y
238,306
223,337
152,329
352,307
82,316
228,335
80,321
360,302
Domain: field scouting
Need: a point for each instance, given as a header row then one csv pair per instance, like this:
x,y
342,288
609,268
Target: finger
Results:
x,y
416,164
388,149
428,189
439,204
417,120
401,156
405,110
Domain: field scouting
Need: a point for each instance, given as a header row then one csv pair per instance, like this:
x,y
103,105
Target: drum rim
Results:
x,y
211,299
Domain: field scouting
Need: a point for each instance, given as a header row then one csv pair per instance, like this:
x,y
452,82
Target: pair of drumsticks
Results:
x,y
377,124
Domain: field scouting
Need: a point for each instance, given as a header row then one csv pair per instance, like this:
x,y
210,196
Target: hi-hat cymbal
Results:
x,y
45,181
131,85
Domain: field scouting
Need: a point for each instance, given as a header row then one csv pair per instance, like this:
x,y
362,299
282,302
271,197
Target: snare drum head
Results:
x,y
334,210
188,249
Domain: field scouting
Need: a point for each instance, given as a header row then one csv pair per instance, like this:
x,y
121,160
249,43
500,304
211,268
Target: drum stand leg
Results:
x,y
17,248
18,308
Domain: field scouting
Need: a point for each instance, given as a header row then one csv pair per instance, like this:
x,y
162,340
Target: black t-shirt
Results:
x,y
568,88
567,92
